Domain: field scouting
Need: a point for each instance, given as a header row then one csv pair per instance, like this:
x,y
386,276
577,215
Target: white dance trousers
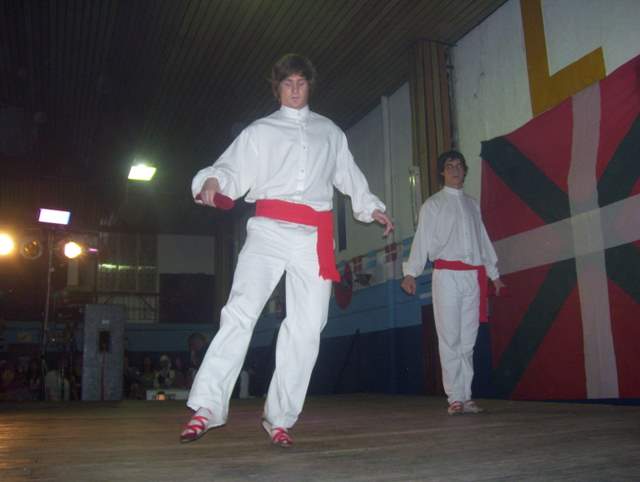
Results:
x,y
456,299
271,249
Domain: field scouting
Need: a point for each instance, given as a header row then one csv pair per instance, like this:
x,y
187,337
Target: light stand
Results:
x,y
55,217
45,324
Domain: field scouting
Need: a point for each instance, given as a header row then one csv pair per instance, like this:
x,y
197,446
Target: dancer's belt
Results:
x,y
482,281
301,214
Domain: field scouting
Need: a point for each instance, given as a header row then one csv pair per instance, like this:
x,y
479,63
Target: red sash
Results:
x,y
301,214
482,282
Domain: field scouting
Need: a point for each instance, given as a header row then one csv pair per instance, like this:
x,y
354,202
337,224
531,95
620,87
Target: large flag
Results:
x,y
561,201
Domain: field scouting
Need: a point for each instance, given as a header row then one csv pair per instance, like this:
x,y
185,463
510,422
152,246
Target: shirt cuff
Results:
x,y
406,270
207,173
368,217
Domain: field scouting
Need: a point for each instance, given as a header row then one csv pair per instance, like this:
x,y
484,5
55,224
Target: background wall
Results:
x,y
382,130
186,279
186,254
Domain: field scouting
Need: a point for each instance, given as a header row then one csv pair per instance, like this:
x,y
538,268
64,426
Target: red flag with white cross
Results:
x,y
561,202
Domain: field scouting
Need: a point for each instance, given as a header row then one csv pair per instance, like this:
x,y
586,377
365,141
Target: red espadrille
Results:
x,y
278,435
194,429
455,408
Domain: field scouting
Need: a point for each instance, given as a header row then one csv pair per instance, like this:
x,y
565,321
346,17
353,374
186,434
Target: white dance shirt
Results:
x,y
292,155
450,228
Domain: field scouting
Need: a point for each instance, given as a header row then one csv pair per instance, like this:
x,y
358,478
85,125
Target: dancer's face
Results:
x,y
294,91
454,173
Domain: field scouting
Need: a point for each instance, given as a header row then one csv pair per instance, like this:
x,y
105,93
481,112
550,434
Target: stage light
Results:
x,y
72,249
141,172
31,248
7,245
54,216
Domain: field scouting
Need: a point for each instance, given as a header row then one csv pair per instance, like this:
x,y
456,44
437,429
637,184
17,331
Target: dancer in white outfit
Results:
x,y
288,163
451,234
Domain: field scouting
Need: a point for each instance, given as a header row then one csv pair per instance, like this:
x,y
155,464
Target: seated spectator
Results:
x,y
22,368
165,376
180,380
75,378
133,384
12,388
56,382
7,381
197,348
148,375
34,379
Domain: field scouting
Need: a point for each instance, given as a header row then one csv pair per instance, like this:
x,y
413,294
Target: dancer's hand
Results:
x,y
383,219
208,192
409,285
498,285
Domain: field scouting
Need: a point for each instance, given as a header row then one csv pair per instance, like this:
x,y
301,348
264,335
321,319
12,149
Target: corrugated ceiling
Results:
x,y
87,85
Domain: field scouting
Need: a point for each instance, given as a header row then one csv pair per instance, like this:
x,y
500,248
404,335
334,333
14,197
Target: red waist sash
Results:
x,y
482,282
301,214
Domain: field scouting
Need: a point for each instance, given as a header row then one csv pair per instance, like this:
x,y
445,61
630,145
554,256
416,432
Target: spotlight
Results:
x,y
31,248
7,245
54,216
141,172
72,249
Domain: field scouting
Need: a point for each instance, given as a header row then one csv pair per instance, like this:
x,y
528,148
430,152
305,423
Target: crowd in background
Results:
x,y
59,375
28,378
164,373
33,378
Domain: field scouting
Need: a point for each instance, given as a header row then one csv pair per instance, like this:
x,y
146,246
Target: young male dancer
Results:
x,y
451,234
288,164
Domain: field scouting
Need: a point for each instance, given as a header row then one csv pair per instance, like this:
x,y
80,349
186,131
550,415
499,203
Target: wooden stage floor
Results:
x,y
338,438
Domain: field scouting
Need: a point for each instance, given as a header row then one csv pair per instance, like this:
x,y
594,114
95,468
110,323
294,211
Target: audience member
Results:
x,y
34,379
148,375
132,381
165,376
56,381
197,348
180,380
75,378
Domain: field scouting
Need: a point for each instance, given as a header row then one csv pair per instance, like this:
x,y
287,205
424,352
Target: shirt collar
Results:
x,y
297,114
453,190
